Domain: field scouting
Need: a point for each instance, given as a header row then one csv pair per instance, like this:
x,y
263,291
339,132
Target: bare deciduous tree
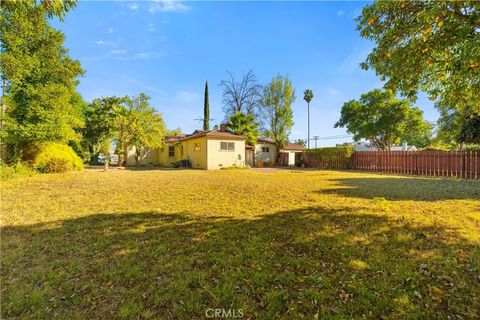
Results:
x,y
243,96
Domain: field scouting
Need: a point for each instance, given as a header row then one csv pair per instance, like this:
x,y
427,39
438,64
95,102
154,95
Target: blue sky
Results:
x,y
168,49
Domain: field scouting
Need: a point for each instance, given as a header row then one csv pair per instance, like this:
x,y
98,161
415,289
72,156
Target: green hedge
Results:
x,y
329,153
328,158
56,157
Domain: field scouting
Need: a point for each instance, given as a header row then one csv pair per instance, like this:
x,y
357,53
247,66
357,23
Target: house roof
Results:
x,y
287,146
214,134
265,141
293,146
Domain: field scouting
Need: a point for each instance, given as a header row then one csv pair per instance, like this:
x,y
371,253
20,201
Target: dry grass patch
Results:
x,y
288,244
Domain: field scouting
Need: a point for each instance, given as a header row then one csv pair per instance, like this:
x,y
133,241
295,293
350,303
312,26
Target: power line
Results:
x,y
332,137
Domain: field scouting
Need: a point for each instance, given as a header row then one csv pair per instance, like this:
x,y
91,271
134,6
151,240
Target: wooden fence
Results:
x,y
461,164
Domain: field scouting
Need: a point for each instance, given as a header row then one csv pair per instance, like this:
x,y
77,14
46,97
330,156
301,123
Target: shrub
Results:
x,y
13,171
55,157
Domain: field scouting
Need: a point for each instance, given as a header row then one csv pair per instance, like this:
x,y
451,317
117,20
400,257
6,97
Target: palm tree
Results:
x,y
308,96
244,124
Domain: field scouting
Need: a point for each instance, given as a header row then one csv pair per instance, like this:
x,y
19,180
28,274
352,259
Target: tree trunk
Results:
x,y
137,156
121,143
105,162
91,150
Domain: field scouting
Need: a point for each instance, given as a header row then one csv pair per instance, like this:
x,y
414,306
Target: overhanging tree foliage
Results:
x,y
39,75
277,100
432,46
383,119
52,8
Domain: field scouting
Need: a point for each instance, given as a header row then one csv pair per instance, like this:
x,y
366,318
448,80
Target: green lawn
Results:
x,y
287,244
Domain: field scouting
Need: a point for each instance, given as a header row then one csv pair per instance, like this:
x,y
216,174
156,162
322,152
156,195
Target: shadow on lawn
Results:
x,y
284,265
406,188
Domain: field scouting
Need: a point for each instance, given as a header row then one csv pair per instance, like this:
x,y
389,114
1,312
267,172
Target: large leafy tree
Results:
x,y
277,100
146,126
103,117
123,118
457,127
421,135
449,124
244,124
38,75
383,119
430,45
470,129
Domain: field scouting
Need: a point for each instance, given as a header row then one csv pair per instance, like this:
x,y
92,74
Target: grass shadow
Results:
x,y
406,188
289,265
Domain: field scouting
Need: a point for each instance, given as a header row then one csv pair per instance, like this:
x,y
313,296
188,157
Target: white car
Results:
x,y
113,159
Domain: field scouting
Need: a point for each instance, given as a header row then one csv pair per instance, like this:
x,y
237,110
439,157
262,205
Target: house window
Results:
x,y
196,147
227,146
266,149
171,151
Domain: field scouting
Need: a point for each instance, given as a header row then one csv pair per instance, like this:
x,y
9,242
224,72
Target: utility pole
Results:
x,y
315,138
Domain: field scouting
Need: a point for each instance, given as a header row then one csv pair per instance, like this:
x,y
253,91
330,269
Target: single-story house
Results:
x,y
213,149
217,149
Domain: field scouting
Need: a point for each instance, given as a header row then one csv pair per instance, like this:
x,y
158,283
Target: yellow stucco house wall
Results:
x,y
149,157
220,157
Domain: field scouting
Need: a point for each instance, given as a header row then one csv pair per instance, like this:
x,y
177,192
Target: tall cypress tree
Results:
x,y
206,110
